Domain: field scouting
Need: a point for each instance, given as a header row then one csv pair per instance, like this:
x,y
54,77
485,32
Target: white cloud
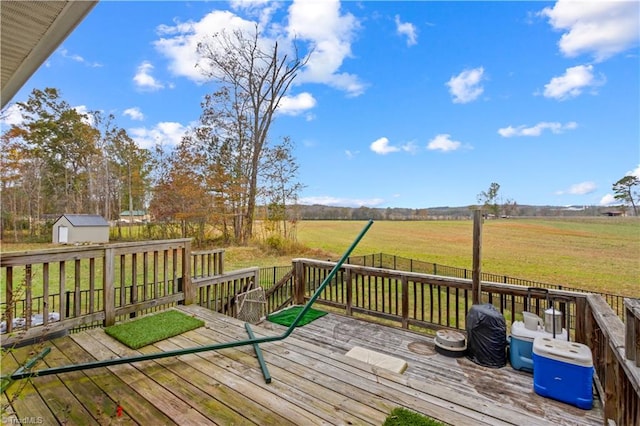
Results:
x,y
536,130
318,26
635,172
572,83
465,87
88,117
407,29
11,116
381,146
179,43
350,154
608,200
65,54
411,147
600,28
134,113
326,200
143,78
77,58
262,9
443,143
164,133
295,105
581,188
329,33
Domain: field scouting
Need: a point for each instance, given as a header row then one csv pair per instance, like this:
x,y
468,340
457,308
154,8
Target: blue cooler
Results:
x,y
521,344
564,371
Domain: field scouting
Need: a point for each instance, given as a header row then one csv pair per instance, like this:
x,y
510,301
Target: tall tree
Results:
x,y
489,199
624,191
64,140
281,187
14,166
510,207
254,76
180,194
132,165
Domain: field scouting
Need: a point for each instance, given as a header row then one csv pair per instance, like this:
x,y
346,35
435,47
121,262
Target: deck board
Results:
x,y
313,382
506,389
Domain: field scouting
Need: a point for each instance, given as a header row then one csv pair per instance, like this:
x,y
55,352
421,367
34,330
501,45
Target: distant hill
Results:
x,y
322,212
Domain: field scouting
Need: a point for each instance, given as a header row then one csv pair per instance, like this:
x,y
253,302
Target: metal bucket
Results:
x,y
553,321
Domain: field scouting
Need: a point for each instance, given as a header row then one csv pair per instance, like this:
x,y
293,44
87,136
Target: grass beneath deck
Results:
x,y
404,417
153,328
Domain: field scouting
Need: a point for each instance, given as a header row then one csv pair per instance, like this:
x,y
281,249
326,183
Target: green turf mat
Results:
x,y
153,328
287,316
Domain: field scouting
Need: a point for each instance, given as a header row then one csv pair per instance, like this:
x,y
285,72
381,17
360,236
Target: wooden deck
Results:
x,y
313,381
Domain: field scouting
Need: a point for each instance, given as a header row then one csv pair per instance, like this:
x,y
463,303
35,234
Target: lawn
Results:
x,y
599,254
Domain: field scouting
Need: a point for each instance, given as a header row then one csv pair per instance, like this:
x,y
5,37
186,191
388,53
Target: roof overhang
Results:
x,y
31,31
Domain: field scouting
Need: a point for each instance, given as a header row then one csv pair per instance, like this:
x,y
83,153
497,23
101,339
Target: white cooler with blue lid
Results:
x,y
521,344
563,371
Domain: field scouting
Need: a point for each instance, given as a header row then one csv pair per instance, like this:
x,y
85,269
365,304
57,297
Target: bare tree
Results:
x,y
254,76
489,199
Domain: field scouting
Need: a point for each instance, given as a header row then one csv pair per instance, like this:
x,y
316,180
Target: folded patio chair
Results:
x,y
251,305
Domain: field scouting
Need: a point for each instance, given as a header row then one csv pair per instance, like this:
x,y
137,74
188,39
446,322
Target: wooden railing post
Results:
x,y
108,287
349,279
632,332
8,314
611,385
405,301
298,282
581,318
476,291
187,287
220,257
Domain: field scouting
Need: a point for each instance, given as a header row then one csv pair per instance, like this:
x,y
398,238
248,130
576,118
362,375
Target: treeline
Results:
x,y
321,212
59,159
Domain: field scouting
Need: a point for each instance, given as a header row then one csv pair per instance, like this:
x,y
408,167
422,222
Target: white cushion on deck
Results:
x,y
377,359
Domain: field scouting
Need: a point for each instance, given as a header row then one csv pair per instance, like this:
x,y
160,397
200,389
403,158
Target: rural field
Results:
x,y
599,254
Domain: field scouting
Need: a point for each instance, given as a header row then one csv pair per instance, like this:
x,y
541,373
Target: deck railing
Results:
x,y
617,377
427,302
103,284
421,301
45,292
391,261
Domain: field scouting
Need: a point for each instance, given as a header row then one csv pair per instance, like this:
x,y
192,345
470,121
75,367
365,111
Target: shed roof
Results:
x,y
85,219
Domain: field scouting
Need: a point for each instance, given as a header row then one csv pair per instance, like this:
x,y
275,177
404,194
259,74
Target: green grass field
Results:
x,y
598,254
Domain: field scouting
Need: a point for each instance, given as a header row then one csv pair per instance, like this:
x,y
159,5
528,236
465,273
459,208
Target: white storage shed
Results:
x,y
80,228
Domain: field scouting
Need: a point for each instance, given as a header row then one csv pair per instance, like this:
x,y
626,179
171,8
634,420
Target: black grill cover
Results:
x,y
486,336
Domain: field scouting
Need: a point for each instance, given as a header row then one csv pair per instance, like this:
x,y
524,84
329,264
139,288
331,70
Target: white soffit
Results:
x,y
30,32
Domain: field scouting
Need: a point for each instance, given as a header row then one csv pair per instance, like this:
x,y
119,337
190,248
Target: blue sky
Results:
x,y
402,104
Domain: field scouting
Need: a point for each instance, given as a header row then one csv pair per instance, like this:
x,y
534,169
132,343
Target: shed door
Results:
x,y
63,234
